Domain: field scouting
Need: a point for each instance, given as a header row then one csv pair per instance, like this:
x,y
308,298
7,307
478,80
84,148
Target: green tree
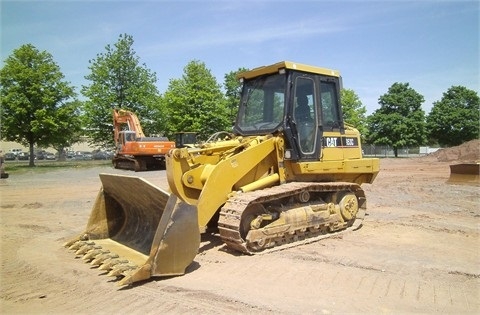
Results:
x,y
233,88
455,118
119,81
354,113
196,103
69,128
400,120
33,96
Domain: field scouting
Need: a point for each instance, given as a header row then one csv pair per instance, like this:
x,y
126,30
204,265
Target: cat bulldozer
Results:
x,y
289,173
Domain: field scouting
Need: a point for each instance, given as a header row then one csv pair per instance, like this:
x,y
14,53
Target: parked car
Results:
x,y
40,155
23,156
78,156
9,156
83,155
50,156
102,155
15,151
87,156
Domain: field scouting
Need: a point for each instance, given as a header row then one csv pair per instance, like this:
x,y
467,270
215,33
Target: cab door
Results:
x,y
306,116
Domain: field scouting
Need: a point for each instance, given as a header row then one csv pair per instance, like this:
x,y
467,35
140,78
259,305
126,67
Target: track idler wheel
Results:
x,y
348,206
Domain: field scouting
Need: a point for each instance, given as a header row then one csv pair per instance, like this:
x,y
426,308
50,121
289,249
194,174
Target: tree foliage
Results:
x,y
196,103
118,80
354,113
34,94
455,118
69,129
233,88
400,120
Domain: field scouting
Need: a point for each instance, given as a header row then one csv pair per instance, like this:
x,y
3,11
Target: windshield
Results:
x,y
262,105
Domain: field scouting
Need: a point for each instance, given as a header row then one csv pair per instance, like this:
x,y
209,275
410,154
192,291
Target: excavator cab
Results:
x,y
124,137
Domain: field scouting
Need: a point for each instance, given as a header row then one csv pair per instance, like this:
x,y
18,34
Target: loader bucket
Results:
x,y
465,173
137,231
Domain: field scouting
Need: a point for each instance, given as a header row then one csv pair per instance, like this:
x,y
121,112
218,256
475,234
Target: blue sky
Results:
x,y
432,45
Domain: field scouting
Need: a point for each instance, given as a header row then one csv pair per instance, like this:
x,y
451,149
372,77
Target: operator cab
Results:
x,y
127,136
299,100
185,139
124,137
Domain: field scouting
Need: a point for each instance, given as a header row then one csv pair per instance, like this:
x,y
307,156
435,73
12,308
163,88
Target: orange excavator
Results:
x,y
134,151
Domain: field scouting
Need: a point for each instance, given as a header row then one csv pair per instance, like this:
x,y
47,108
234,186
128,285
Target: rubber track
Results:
x,y
231,213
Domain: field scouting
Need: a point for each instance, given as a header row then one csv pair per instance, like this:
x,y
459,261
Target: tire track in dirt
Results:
x,y
396,291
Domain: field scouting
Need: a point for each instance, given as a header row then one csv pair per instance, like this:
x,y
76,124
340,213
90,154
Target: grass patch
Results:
x,y
19,167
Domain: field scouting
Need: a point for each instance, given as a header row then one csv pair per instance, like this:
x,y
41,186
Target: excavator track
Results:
x,y
138,164
125,163
307,212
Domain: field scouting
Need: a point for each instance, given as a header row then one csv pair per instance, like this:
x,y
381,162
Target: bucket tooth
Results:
x,y
107,265
78,244
75,240
119,270
101,258
134,275
85,248
91,254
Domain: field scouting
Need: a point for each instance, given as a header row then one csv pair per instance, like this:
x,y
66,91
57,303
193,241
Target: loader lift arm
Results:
x,y
251,163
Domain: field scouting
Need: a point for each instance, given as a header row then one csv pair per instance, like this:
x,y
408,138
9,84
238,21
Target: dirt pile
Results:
x,y
466,152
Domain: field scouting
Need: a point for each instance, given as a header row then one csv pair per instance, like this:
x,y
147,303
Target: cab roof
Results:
x,y
287,65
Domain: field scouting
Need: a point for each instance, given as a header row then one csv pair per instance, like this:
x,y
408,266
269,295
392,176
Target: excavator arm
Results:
x,y
122,117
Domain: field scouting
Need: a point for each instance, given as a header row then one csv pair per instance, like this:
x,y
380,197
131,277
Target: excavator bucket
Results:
x,y
137,231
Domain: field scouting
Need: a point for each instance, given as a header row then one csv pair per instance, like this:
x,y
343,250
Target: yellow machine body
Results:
x,y
274,180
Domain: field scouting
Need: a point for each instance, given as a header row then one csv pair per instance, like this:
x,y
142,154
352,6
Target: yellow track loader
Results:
x,y
289,173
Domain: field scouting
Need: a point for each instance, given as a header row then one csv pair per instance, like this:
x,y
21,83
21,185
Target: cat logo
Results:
x,y
340,142
331,142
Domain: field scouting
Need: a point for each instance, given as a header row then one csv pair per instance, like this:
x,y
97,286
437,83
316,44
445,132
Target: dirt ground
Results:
x,y
417,252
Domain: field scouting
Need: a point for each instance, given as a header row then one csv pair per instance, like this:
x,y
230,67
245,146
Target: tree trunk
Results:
x,y
32,156
395,151
62,156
